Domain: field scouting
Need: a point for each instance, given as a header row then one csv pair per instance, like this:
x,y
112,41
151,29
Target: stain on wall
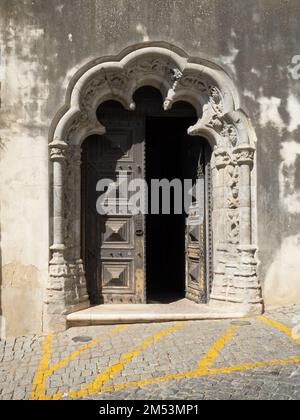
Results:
x,y
283,275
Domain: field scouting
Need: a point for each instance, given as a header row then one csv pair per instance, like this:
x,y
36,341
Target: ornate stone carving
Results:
x,y
232,180
81,121
152,65
193,82
211,90
58,150
229,132
222,158
176,77
91,90
215,99
233,224
244,154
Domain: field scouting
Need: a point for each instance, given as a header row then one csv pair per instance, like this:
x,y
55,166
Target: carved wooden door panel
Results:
x,y
114,243
197,260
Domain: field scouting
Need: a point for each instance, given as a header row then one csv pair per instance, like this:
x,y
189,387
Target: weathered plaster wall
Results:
x,y
42,43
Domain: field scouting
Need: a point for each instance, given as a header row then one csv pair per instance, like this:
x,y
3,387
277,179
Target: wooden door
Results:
x,y
114,243
197,168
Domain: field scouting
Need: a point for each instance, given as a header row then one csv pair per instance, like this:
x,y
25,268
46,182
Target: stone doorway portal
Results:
x,y
220,118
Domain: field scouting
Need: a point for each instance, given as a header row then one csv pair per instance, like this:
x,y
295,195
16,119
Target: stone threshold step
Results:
x,y
183,310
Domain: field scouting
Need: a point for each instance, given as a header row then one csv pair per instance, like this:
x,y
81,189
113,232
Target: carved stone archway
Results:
x,y
209,89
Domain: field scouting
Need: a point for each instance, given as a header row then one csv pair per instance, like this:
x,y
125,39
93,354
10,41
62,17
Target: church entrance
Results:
x,y
207,252
159,255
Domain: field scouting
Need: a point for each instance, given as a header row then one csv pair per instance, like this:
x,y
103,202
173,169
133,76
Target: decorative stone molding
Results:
x,y
244,154
179,78
222,158
57,151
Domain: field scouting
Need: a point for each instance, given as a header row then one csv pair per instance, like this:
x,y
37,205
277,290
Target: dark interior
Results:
x,y
167,143
165,234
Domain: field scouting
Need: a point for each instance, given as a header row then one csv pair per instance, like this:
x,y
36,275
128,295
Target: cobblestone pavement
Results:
x,y
257,358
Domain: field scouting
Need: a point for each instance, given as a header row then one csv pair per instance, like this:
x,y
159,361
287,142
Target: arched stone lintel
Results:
x,y
208,89
220,120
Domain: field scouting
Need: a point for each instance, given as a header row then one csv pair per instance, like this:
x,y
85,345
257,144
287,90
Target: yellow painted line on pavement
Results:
x,y
279,326
199,373
80,350
39,383
208,360
204,367
247,366
96,385
44,370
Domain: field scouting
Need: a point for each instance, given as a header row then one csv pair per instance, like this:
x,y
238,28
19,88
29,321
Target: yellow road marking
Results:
x,y
199,373
39,383
213,352
44,370
96,385
77,352
247,366
204,367
279,326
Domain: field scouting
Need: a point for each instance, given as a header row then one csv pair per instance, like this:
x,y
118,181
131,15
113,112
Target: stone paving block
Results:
x,y
176,352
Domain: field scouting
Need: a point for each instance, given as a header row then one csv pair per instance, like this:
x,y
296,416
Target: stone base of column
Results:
x,y
66,293
241,309
237,286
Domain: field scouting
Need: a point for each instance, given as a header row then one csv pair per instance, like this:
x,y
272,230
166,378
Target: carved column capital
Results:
x,y
58,151
222,158
244,154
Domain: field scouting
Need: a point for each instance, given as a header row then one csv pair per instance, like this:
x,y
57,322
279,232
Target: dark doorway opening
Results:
x,y
166,138
166,252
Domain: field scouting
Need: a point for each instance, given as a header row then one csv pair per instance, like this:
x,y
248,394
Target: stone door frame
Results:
x,y
220,120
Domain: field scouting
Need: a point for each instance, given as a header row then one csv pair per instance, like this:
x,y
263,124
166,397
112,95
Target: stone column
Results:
x,y
66,289
54,319
80,273
248,290
245,158
222,159
57,155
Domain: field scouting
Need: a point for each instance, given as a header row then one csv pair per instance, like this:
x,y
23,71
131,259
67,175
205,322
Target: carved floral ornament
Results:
x,y
243,154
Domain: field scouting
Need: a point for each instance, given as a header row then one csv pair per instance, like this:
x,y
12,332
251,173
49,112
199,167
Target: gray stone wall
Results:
x,y
43,43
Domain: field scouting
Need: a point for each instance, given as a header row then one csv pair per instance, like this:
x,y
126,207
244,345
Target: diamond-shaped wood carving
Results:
x,y
194,272
194,234
115,275
117,230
